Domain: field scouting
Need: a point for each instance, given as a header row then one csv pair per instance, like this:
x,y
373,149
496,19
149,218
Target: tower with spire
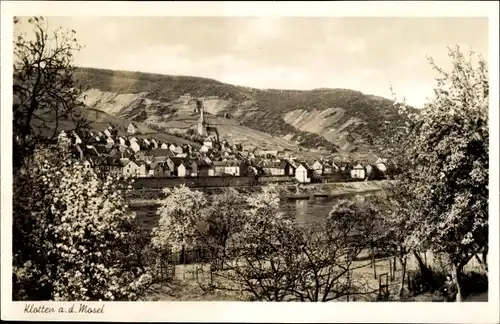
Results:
x,y
202,125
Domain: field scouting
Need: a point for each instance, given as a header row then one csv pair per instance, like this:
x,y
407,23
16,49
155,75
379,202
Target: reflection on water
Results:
x,y
308,212
311,212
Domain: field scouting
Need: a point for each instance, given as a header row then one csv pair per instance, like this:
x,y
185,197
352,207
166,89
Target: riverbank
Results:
x,y
152,196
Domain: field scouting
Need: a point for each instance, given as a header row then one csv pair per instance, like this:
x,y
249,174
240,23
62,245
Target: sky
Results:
x,y
364,54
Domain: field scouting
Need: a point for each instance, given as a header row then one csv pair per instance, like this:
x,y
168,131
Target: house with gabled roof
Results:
x,y
183,169
219,167
235,168
205,169
358,172
156,169
303,172
143,168
132,128
135,146
381,164
130,168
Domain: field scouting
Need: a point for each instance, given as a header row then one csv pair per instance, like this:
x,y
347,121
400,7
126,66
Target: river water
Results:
x,y
308,212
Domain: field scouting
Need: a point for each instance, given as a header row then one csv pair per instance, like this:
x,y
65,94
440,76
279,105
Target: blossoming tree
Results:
x,y
72,234
446,151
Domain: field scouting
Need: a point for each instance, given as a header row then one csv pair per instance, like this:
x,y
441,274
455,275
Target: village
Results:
x,y
131,156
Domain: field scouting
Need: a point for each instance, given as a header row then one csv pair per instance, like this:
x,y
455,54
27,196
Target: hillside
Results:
x,y
330,120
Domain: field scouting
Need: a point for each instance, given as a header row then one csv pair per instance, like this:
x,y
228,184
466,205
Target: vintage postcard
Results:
x,y
225,161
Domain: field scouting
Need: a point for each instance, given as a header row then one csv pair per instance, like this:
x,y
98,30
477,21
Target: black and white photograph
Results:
x,y
248,158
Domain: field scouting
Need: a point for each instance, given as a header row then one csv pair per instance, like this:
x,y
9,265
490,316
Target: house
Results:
x,y
182,169
205,169
317,167
132,128
155,143
235,168
172,147
122,140
205,149
345,166
271,167
219,167
381,164
107,132
169,166
130,168
161,153
135,146
277,168
303,173
330,167
143,168
156,169
165,146
358,172
194,168
369,169
109,146
208,142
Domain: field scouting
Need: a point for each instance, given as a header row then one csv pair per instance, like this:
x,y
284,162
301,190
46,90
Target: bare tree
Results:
x,y
45,92
275,259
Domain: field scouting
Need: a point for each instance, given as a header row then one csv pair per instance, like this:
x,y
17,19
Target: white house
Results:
x,y
122,140
110,141
182,170
142,168
178,150
155,143
302,174
131,129
135,146
381,164
204,149
317,167
130,169
358,172
235,168
165,146
208,142
107,132
172,147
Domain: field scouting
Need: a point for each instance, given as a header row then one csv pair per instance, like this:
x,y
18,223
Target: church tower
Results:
x,y
202,126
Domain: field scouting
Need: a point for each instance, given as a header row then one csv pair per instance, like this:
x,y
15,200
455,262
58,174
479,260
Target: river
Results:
x,y
307,211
